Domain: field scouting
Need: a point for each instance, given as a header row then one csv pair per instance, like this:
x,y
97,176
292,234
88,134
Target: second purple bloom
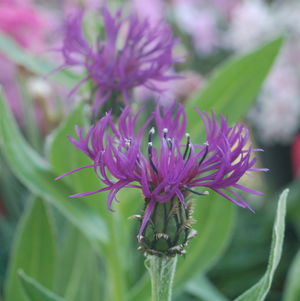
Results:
x,y
131,53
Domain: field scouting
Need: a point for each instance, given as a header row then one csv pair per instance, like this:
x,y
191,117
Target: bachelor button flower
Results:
x,y
169,170
133,53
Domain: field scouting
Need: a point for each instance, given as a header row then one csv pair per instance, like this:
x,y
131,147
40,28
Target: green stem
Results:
x,y
162,270
114,261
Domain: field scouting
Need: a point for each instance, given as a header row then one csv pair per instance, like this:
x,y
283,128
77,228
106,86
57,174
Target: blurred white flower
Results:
x,y
278,113
201,23
287,15
39,88
252,24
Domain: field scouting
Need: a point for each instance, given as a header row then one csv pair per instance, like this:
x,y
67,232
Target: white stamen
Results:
x,y
152,131
149,143
187,135
165,130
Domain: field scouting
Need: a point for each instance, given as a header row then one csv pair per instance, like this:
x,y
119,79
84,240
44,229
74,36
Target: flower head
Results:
x,y
168,168
133,53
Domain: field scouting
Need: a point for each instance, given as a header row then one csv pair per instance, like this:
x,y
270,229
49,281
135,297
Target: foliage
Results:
x,y
260,290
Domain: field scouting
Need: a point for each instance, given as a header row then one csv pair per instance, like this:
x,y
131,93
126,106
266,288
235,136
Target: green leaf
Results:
x,y
34,290
212,238
59,143
292,290
79,273
36,174
233,88
22,57
34,250
259,291
294,204
202,288
85,180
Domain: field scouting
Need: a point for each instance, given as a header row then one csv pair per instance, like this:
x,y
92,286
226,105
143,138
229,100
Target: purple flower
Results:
x,y
169,167
133,53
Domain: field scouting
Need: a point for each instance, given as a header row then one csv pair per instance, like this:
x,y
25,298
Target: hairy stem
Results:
x,y
162,270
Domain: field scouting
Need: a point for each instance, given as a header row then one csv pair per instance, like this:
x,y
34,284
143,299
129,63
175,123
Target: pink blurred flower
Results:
x,y
24,23
16,2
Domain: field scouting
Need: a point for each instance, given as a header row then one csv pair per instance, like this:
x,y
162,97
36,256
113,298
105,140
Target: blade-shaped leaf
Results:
x,y
34,250
79,272
294,204
212,237
85,180
35,291
233,88
202,288
259,291
20,56
36,174
59,143
292,290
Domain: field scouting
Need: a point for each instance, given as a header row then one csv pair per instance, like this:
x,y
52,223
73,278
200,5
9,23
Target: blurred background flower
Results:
x,y
28,26
132,53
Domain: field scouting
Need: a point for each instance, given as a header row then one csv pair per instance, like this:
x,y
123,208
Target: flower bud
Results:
x,y
169,228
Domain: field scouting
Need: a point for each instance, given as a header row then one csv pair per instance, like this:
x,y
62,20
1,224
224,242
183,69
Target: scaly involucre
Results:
x,y
133,53
168,167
